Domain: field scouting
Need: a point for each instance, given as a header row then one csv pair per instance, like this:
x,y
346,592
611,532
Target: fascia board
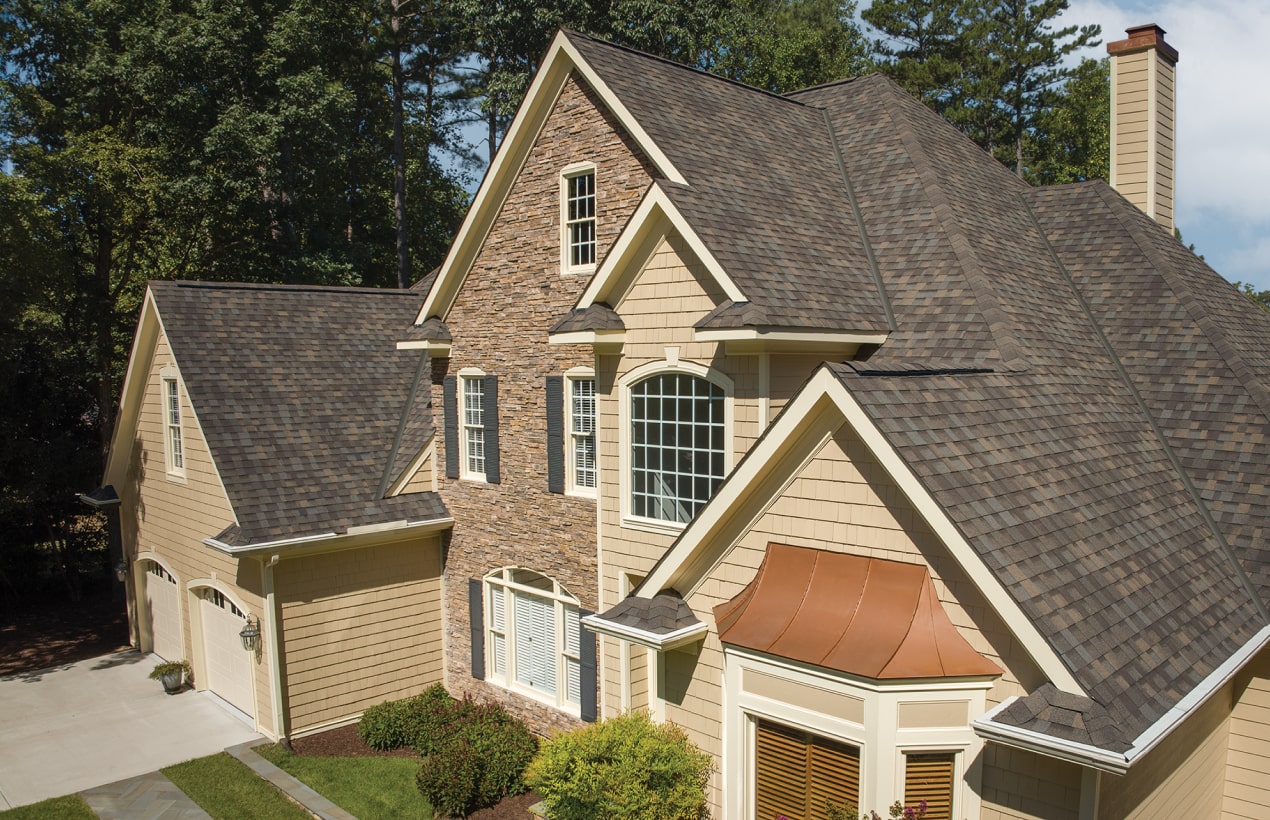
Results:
x,y
810,337
333,541
656,215
144,342
562,58
653,640
793,420
1081,754
435,349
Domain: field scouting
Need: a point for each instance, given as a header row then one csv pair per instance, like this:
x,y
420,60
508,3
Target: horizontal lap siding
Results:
x,y
1247,786
359,627
1019,785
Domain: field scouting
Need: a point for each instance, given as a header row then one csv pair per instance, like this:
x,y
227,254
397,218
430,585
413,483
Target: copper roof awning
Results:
x,y
865,616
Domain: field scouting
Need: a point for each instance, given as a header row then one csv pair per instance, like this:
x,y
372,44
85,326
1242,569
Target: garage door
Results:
x,y
165,615
228,665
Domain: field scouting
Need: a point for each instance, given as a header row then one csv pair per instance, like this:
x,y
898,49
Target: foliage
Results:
x,y
161,670
1071,141
70,807
226,789
898,811
410,722
1259,298
366,787
475,759
623,768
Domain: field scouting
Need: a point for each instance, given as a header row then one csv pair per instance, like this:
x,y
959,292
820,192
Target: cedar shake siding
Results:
x,y
512,295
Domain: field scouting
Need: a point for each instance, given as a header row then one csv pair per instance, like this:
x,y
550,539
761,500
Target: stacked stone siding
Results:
x,y
512,296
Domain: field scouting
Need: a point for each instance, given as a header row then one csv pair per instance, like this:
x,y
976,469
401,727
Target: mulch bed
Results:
x,y
345,742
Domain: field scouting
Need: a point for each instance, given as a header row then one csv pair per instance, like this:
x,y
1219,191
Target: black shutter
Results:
x,y
587,668
450,405
491,429
476,616
555,434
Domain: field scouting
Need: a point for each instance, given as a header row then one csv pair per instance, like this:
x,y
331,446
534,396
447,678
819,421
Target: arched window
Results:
x,y
678,445
533,636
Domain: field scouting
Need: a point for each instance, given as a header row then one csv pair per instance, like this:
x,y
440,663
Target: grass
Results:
x,y
228,790
70,807
366,787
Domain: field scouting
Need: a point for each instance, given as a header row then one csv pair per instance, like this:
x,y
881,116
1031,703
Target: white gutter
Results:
x,y
356,536
653,640
1119,762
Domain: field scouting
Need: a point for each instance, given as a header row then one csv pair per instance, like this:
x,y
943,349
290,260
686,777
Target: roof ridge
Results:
x,y
689,68
196,284
1127,380
994,315
831,84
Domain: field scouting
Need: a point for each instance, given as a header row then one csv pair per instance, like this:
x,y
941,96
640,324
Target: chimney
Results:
x,y
1142,93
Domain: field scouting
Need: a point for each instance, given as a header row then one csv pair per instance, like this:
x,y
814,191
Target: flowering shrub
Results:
x,y
846,811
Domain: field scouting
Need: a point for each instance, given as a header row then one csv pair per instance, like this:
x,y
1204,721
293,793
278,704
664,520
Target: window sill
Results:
x,y
538,697
630,522
581,492
581,270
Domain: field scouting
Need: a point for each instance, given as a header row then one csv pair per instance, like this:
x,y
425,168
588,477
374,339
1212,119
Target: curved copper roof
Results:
x,y
866,616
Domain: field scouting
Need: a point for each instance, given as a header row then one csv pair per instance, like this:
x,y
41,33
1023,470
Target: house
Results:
x,y
273,465
795,420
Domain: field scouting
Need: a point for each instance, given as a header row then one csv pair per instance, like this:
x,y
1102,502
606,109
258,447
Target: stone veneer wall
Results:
x,y
514,293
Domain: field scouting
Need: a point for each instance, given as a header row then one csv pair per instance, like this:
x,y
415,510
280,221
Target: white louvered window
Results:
x,y
582,469
578,202
533,636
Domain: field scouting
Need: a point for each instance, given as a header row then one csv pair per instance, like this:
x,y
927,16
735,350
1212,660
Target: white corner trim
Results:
x,y
649,219
653,640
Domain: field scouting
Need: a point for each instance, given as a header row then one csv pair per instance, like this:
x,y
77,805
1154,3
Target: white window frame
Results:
x,y
625,440
174,454
570,173
470,434
574,437
503,636
881,742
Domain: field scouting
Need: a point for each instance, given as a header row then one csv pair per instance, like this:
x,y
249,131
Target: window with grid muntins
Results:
x,y
580,219
677,446
172,409
534,636
474,424
582,431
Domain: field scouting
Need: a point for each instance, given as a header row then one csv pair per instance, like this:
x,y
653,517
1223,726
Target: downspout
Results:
x,y
272,635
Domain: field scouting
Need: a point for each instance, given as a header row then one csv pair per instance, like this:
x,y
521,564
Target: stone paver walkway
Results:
x,y
315,803
145,797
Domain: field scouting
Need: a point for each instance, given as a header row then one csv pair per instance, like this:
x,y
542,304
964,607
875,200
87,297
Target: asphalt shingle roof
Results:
x,y
306,404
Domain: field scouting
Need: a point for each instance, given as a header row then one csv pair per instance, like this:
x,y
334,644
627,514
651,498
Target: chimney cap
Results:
x,y
1143,38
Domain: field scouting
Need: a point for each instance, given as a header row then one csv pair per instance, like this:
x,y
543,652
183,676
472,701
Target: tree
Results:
x,y
786,45
1259,297
1072,139
923,46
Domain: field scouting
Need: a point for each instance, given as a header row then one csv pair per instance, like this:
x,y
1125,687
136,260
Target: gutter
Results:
x,y
354,537
1119,762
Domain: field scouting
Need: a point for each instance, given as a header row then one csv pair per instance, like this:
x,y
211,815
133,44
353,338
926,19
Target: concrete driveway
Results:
x,y
73,727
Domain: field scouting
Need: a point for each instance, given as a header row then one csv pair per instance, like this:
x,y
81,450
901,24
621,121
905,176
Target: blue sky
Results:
x,y
1223,121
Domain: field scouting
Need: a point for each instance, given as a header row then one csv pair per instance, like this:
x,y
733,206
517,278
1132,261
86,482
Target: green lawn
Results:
x,y
366,787
228,790
70,807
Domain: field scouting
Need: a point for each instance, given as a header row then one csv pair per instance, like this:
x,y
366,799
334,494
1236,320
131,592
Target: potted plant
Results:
x,y
173,674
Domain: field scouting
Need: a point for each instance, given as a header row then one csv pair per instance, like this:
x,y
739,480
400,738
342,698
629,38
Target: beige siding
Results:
x,y
1019,785
170,516
359,627
1142,166
1247,787
424,479
1181,777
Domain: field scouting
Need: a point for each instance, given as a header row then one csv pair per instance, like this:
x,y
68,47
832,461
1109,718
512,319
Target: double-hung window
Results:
x,y
578,212
582,467
533,639
173,443
678,441
473,426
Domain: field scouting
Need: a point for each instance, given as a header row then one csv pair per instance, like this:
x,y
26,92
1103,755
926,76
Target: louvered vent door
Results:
x,y
796,772
929,777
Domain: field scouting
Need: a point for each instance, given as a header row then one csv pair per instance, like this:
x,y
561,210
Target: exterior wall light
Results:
x,y
121,571
250,634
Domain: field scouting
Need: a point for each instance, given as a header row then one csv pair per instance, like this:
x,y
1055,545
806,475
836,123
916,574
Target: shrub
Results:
x,y
476,756
624,768
412,722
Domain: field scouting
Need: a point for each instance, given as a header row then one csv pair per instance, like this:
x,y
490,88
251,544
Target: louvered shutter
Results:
x,y
475,609
535,643
929,777
491,430
498,629
588,673
572,649
796,773
555,434
450,406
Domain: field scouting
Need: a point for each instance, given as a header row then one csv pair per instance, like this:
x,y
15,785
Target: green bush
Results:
x,y
624,768
413,722
476,758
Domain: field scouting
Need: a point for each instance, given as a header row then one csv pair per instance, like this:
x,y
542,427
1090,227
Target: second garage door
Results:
x,y
228,665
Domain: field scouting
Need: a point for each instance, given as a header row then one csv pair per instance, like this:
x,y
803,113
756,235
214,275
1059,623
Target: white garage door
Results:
x,y
165,616
228,665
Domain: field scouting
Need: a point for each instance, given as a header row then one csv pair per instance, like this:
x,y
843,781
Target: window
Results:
x,y
172,440
799,775
579,219
929,776
678,445
533,636
582,467
473,427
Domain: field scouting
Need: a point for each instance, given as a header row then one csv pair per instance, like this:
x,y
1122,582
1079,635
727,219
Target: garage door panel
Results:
x,y
163,606
227,664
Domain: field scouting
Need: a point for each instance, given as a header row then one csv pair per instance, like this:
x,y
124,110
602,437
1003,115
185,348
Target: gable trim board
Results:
x,y
682,566
429,450
561,60
1119,763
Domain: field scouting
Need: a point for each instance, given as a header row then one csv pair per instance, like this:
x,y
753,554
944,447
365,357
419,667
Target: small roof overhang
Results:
x,y
101,498
662,622
868,617
431,335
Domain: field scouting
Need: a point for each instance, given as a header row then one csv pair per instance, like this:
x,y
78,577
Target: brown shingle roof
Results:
x,y
300,393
